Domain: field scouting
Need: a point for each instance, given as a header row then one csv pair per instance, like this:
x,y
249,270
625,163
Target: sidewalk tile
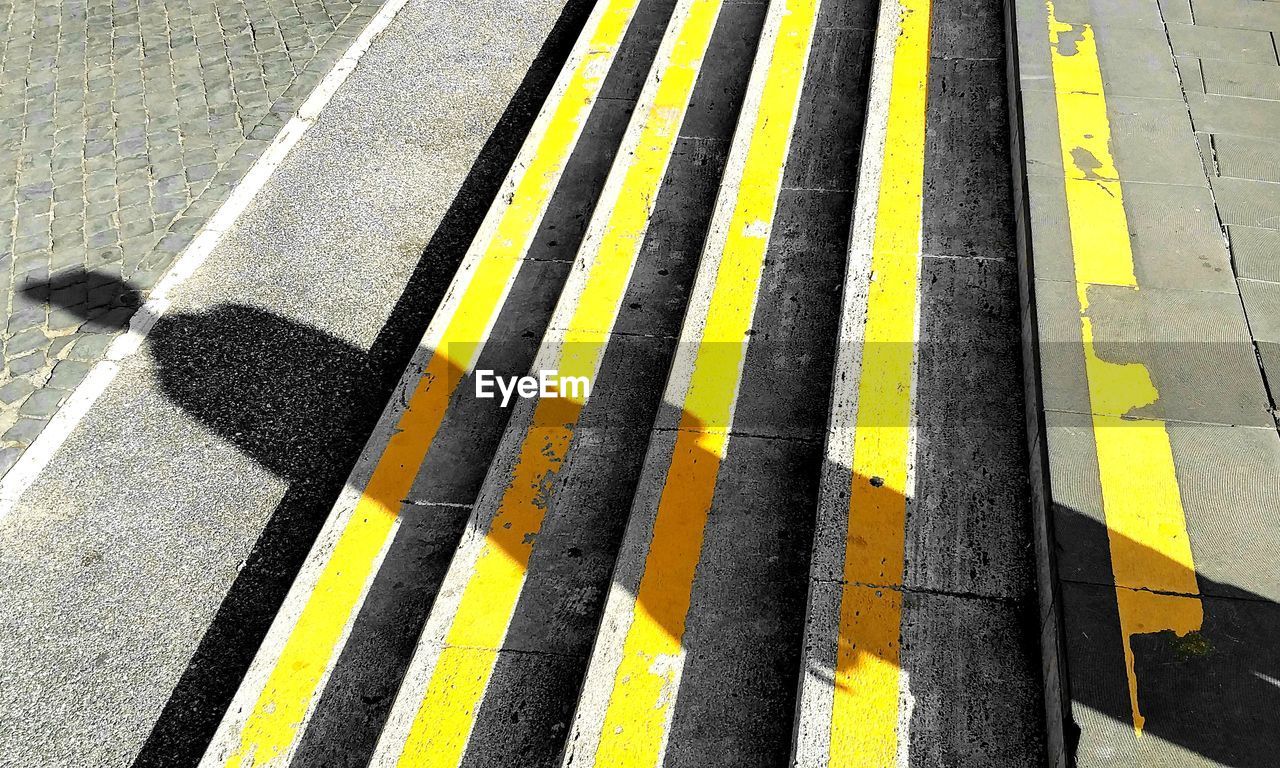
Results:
x,y
1228,114
1233,78
1105,13
1195,345
1248,202
1194,689
1175,237
1134,61
1262,306
1237,14
1153,142
1190,74
1231,505
1256,252
1246,45
1248,157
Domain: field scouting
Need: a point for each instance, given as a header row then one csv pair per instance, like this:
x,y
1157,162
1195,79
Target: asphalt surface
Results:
x,y
140,575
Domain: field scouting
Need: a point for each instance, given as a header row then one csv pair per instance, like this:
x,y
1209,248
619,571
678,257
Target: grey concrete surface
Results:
x,y
125,125
1193,163
237,423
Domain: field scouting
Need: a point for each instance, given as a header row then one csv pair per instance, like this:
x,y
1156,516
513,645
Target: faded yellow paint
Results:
x,y
864,717
273,726
446,715
1155,578
638,712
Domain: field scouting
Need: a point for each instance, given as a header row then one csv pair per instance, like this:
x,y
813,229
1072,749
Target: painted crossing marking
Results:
x,y
625,714
270,711
1155,576
850,715
436,708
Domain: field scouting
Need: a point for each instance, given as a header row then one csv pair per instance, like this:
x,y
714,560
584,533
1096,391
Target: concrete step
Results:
x,y
667,567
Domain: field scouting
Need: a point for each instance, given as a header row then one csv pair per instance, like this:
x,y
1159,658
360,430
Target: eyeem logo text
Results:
x,y
546,384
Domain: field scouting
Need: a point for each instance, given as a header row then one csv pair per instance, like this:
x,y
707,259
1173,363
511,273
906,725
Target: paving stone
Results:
x,y
1248,202
25,314
8,457
1226,114
25,431
1256,252
1247,157
1237,14
23,365
1205,42
90,348
43,403
28,340
68,374
15,390
64,319
1233,78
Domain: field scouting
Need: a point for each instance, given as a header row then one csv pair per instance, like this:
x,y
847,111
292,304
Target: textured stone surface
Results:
x,y
1198,167
123,126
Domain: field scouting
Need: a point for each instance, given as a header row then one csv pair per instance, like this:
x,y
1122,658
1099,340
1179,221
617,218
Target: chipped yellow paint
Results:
x,y
446,715
1155,578
273,726
864,715
641,701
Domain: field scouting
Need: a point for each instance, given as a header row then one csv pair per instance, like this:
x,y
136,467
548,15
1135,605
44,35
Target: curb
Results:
x,y
1059,727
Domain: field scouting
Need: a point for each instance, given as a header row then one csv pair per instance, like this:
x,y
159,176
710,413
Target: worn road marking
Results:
x,y
1155,576
849,715
270,711
436,708
625,722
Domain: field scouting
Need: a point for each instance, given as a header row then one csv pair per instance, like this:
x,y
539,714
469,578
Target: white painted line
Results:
x,y
24,473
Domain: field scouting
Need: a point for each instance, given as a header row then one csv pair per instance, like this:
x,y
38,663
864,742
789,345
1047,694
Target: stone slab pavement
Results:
x,y
1148,201
123,126
140,571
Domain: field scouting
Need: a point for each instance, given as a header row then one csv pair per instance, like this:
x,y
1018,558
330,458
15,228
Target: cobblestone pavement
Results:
x,y
123,126
1230,71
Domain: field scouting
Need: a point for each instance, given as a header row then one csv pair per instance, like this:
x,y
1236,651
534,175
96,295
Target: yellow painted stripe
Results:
x,y
864,715
273,726
444,720
638,713
1151,560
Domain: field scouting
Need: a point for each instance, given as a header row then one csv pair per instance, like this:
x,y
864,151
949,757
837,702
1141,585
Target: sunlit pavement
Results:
x,y
909,406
